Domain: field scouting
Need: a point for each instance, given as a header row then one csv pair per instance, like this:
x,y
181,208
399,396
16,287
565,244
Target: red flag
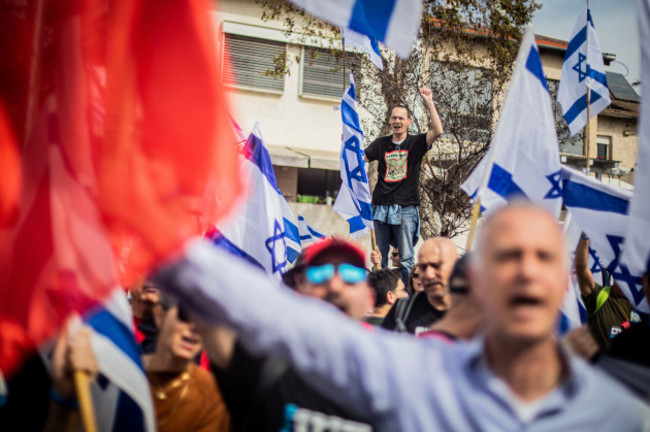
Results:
x,y
10,173
132,148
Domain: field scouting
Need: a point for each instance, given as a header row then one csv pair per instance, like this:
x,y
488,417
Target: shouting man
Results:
x,y
396,198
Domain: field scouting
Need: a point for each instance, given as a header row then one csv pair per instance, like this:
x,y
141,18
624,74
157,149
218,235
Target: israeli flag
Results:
x,y
121,393
264,231
393,22
365,44
583,68
602,213
307,233
353,199
637,236
523,160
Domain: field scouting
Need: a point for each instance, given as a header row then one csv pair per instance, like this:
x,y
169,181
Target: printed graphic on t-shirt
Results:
x,y
396,165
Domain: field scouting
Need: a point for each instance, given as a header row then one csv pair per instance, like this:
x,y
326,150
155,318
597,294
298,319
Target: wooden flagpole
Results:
x,y
472,228
82,385
587,131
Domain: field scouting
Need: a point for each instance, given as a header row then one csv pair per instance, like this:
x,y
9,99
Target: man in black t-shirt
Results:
x,y
436,260
395,199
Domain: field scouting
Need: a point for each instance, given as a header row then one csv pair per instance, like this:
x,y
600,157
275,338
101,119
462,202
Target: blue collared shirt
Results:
x,y
405,384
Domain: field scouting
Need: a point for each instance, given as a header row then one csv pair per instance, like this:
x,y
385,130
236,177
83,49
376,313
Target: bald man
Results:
x,y
513,377
436,259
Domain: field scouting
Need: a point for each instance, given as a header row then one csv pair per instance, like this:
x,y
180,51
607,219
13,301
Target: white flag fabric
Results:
x,y
264,231
583,68
353,199
365,44
602,213
307,233
523,160
393,22
636,254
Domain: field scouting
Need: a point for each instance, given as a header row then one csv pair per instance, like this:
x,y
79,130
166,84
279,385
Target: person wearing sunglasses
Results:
x,y
415,283
264,393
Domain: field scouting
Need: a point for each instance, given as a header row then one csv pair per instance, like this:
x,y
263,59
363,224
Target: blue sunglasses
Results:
x,y
347,272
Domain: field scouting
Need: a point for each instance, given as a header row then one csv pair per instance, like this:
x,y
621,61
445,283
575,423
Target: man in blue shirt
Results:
x,y
514,377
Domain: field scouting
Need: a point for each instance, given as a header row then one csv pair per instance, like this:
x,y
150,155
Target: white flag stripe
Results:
x,y
264,231
602,213
365,44
523,160
583,67
636,254
353,199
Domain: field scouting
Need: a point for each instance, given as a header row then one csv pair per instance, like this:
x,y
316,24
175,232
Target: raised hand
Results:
x,y
427,95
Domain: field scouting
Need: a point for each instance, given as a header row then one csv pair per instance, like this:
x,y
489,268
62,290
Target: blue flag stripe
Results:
x,y
581,196
371,17
501,182
104,323
262,159
350,117
534,65
576,42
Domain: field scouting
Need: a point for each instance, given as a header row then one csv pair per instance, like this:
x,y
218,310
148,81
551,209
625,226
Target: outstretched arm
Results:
x,y
337,353
436,124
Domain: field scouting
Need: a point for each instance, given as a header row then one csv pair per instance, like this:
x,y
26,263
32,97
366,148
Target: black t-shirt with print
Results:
x,y
420,318
267,394
399,169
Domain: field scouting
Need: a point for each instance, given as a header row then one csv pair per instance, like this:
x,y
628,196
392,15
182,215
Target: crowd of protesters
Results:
x,y
479,349
436,343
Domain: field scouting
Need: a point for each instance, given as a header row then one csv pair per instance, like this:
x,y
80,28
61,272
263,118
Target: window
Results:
x,y
250,60
318,182
603,144
568,144
464,99
322,73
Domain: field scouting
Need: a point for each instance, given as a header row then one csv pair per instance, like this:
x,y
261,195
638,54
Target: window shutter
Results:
x,y
250,58
322,74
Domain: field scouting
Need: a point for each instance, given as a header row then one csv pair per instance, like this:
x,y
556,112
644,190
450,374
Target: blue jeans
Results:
x,y
403,236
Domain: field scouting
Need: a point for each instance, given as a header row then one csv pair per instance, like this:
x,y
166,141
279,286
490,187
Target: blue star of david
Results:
x,y
621,273
273,242
596,268
556,185
578,67
357,173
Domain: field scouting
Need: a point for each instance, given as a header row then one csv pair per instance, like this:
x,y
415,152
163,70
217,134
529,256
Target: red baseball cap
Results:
x,y
335,245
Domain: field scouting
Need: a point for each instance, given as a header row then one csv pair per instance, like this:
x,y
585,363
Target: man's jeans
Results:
x,y
401,235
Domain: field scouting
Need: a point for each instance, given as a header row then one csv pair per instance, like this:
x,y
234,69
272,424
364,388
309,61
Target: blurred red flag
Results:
x,y
10,172
132,153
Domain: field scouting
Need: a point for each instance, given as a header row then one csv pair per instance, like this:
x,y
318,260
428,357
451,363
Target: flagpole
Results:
x,y
373,243
472,228
587,131
343,48
82,385
587,134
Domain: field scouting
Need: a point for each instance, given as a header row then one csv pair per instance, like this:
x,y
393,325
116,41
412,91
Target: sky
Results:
x,y
615,22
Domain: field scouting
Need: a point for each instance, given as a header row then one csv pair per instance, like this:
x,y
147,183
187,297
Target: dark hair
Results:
x,y
458,280
382,282
408,111
410,289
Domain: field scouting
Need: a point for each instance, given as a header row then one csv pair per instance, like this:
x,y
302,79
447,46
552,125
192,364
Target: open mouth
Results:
x,y
190,342
525,301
